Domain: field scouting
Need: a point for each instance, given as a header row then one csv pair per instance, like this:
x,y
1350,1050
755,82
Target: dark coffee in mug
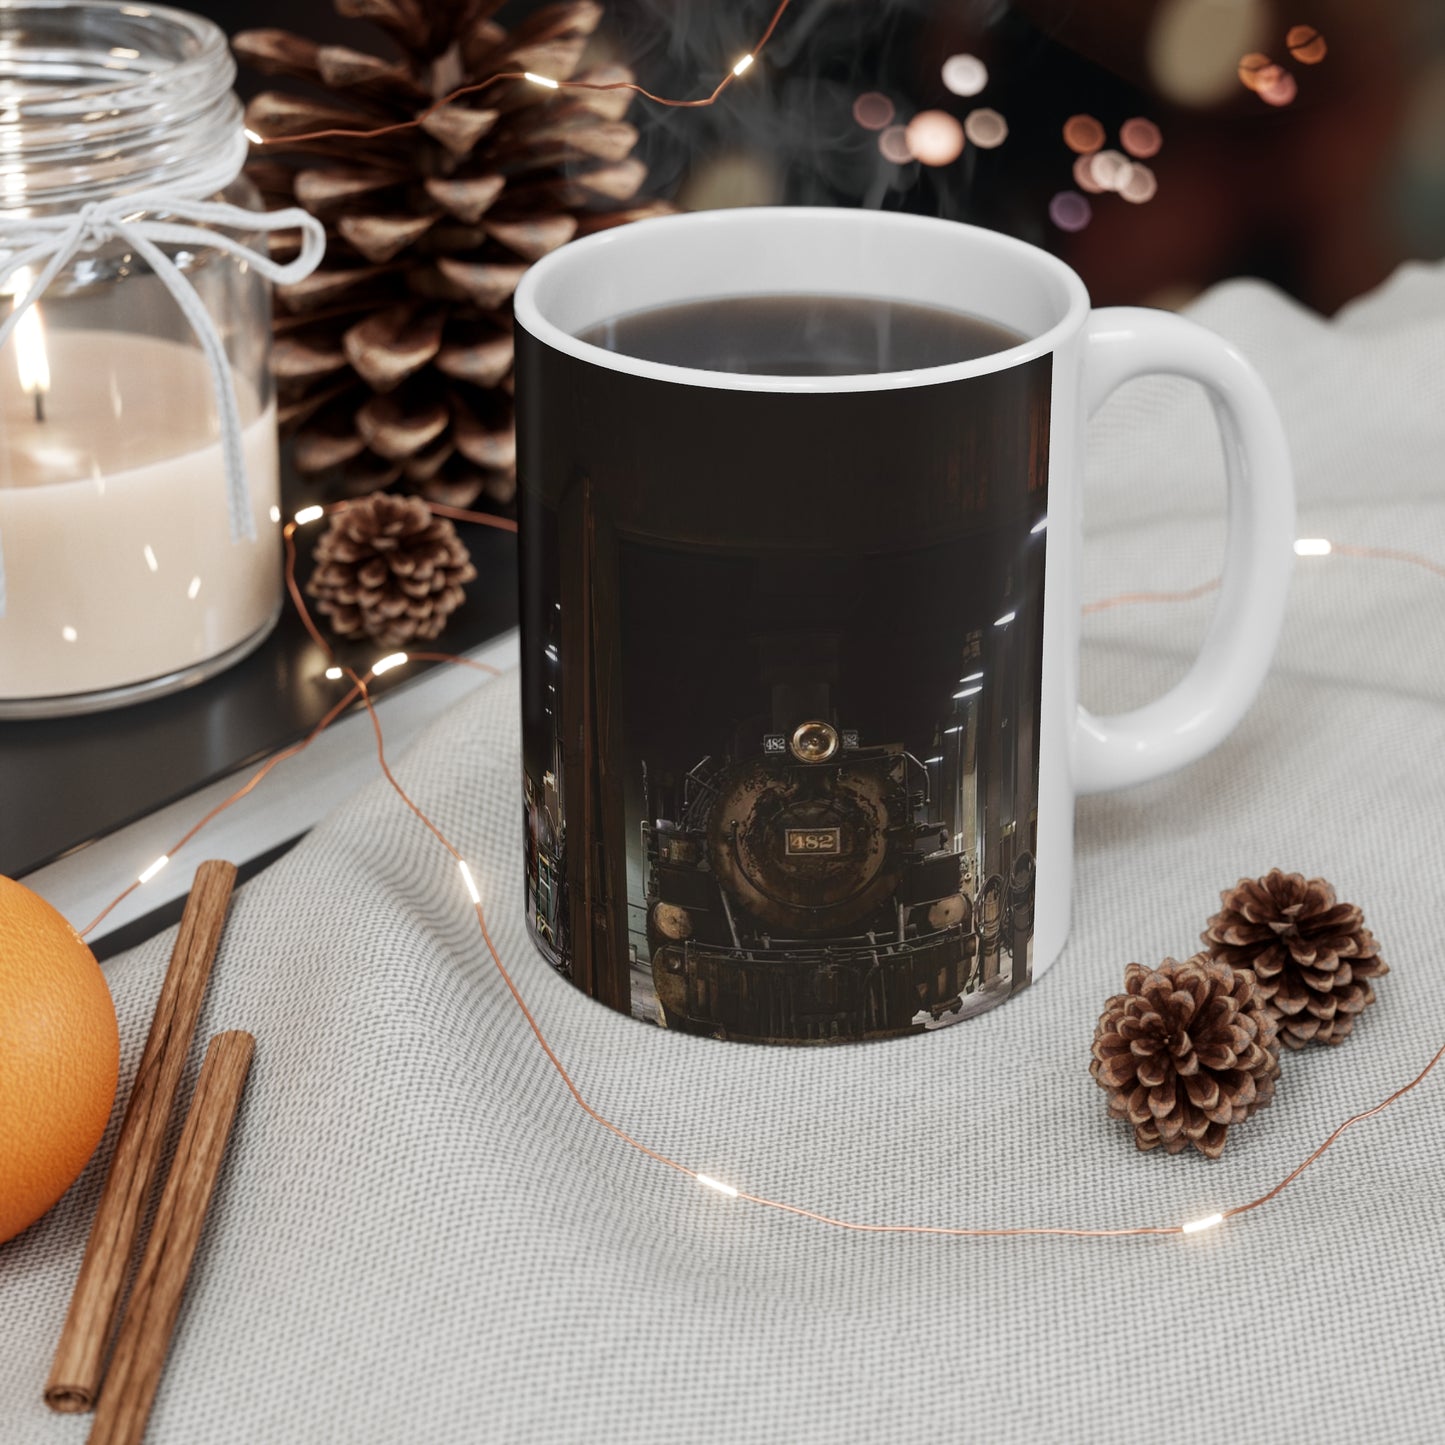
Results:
x,y
801,335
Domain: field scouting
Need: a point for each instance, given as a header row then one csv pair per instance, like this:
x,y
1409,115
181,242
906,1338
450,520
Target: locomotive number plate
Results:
x,y
814,841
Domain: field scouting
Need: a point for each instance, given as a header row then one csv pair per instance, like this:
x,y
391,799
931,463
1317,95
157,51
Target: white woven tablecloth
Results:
x,y
420,1238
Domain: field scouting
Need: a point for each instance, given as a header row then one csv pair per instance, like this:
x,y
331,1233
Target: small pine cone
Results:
x,y
1185,1051
1313,957
387,569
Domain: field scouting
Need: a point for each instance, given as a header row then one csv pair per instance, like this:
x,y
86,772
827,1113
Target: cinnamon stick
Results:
x,y
79,1362
155,1298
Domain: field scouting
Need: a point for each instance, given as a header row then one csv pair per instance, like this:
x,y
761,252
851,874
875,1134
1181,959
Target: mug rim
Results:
x,y
528,308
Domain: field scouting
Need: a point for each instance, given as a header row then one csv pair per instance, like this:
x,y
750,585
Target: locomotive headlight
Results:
x,y
814,742
948,912
672,922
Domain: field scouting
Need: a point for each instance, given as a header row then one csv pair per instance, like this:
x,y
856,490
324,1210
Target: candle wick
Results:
x,y
39,404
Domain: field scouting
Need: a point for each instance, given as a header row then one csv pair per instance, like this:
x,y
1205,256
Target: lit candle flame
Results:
x,y
30,355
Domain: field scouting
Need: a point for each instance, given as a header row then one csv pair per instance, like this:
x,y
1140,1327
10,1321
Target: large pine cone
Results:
x,y
394,359
1185,1051
1314,957
388,570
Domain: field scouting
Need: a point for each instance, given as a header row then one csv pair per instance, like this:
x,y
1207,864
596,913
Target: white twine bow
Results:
x,y
52,242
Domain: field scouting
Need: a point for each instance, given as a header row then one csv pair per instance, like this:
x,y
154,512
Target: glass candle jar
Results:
x,y
136,559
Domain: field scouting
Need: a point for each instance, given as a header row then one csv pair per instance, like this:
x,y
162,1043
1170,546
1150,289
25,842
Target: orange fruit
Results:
x,y
59,1056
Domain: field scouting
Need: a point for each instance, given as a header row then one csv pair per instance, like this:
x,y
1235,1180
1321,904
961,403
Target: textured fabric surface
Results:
x,y
419,1237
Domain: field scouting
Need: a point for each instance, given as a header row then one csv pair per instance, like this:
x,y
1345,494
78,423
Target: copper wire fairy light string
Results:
x,y
546,81
501,523
359,689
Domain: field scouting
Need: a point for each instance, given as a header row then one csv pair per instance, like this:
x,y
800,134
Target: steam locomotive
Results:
x,y
804,893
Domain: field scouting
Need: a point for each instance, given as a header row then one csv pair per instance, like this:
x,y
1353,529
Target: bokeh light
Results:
x,y
1279,88
1084,175
1110,170
965,74
1070,211
1194,46
1140,185
985,128
1141,138
893,142
872,110
934,137
1083,134
1252,66
1306,44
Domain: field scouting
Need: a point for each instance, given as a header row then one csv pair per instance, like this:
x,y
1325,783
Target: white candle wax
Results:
x,y
114,522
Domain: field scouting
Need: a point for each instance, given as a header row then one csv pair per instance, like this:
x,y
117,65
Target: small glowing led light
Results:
x,y
256,140
1306,44
193,590
1083,134
69,634
1140,185
1084,176
1111,170
385,664
150,557
1070,211
893,142
1141,138
309,514
275,514
985,128
933,760
968,692
711,1183
873,110
333,674
964,74
1313,547
1005,619
551,652
155,868
972,677
541,80
958,729
934,137
1196,1225
469,880
1039,526
1277,87
742,64
1252,66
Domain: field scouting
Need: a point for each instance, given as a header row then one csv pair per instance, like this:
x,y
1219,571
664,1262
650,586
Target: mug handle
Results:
x,y
1195,715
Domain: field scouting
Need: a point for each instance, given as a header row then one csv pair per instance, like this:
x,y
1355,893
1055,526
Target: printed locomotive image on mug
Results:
x,y
780,747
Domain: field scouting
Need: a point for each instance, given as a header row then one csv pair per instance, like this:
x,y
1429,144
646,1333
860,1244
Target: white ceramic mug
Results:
x,y
801,725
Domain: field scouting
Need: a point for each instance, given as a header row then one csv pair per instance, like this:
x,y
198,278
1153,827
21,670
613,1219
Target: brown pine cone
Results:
x,y
1313,956
1185,1051
388,570
393,361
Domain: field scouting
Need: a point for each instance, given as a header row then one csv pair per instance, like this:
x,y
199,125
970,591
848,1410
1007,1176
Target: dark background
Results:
x,y
1324,196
